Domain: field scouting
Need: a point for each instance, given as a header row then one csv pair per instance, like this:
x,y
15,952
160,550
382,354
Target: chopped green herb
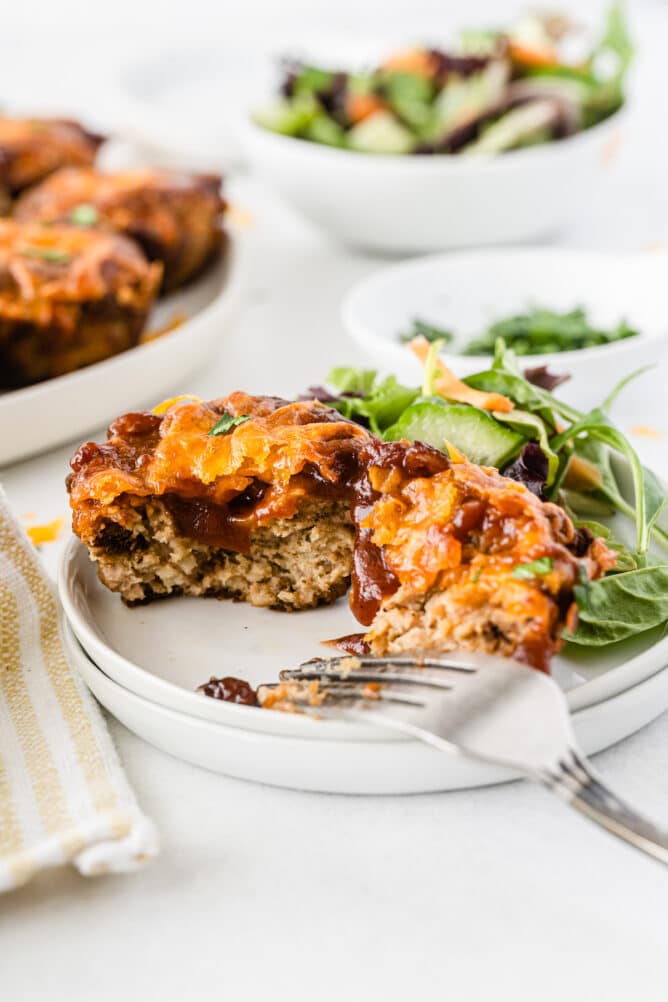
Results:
x,y
429,332
539,331
84,215
537,568
477,575
227,422
47,254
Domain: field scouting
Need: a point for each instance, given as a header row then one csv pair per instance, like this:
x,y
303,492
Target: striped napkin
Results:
x,y
63,795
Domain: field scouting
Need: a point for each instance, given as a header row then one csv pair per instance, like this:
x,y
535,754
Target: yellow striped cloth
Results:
x,y
63,795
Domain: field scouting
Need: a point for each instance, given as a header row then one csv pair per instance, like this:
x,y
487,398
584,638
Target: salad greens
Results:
x,y
558,452
537,331
498,90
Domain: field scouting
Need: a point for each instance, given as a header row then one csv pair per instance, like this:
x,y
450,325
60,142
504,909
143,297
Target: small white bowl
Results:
x,y
465,292
412,204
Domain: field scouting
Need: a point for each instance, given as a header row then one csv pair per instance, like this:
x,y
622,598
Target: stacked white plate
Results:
x,y
145,664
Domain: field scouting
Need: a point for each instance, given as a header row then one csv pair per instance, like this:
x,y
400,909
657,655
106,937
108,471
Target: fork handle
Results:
x,y
578,785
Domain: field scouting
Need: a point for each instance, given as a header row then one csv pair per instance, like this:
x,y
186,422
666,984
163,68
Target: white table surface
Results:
x,y
496,895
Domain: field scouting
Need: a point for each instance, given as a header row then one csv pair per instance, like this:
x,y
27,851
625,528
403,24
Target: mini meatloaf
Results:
x,y
450,554
68,297
280,504
32,148
258,512
176,218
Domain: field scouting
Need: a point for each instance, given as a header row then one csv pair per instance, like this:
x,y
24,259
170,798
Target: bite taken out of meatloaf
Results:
x,y
175,217
32,148
282,504
68,298
258,512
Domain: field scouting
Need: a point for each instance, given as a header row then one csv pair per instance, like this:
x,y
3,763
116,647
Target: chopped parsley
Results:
x,y
84,215
537,568
227,422
428,331
47,254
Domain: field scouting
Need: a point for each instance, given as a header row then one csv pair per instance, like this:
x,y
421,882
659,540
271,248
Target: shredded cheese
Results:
x,y
166,404
646,431
47,533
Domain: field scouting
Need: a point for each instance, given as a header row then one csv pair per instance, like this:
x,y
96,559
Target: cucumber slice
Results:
x,y
524,126
479,436
324,129
289,117
381,133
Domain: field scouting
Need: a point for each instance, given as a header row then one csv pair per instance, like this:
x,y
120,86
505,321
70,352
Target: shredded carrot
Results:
x,y
47,533
456,455
166,404
528,56
646,431
449,386
418,61
362,106
177,320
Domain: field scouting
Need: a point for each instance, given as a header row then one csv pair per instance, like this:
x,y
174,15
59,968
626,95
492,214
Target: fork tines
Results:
x,y
416,670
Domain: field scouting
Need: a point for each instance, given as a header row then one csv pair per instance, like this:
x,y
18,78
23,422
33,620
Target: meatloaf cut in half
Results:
x,y
281,504
32,148
245,497
68,297
175,217
450,555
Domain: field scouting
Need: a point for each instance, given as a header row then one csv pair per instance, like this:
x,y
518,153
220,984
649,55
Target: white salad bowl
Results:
x,y
412,204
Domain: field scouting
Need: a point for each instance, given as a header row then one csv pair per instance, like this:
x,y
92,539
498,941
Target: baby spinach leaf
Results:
x,y
620,605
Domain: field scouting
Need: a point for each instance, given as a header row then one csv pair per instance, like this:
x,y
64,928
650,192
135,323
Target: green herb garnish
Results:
x,y
429,332
537,568
227,422
84,215
47,254
540,331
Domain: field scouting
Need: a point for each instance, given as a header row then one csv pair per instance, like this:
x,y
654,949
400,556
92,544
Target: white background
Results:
x,y
497,895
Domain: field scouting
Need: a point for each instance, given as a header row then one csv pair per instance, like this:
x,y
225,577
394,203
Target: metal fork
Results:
x,y
487,707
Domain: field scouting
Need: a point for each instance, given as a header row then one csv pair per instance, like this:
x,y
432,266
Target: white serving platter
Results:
x,y
464,292
39,417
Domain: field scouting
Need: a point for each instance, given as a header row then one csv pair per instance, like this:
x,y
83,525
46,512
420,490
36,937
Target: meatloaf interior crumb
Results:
x,y
292,563
446,620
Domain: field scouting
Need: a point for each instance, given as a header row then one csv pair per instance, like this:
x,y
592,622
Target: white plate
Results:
x,y
42,416
382,766
466,291
163,651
